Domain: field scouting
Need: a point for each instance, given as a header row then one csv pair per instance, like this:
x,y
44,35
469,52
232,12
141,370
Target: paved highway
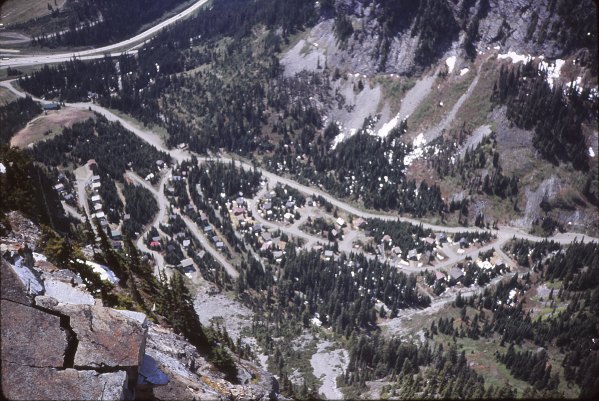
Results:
x,y
22,60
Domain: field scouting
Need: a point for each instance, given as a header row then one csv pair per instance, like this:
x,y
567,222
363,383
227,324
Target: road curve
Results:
x,y
193,228
41,59
504,233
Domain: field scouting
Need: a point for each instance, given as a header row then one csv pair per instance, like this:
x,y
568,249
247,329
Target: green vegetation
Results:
x,y
15,115
556,116
141,207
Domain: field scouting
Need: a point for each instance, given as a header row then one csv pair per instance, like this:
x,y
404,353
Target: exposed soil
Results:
x,y
49,124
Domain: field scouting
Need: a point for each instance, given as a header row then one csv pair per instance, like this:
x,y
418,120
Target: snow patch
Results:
x,y
553,70
516,58
418,150
450,64
104,272
387,127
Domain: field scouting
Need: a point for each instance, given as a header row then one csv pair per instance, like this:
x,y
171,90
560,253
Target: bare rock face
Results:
x,y
12,288
192,377
35,338
33,383
106,337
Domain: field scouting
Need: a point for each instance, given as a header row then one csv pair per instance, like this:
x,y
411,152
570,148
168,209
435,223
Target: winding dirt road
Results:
x,y
503,233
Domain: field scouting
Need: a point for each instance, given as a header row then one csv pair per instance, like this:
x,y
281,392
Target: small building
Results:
x,y
95,178
328,253
266,236
220,245
439,276
396,250
59,187
96,185
186,263
359,222
277,254
100,215
463,242
116,234
340,221
96,198
267,206
456,273
441,238
157,238
155,244
97,206
51,106
257,228
186,243
290,204
412,254
238,210
207,228
334,233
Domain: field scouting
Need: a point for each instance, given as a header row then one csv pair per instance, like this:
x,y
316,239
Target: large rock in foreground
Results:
x,y
31,383
31,337
106,337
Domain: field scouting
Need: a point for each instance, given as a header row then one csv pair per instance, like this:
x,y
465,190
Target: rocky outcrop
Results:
x,y
63,350
32,383
192,377
32,337
526,27
106,338
58,342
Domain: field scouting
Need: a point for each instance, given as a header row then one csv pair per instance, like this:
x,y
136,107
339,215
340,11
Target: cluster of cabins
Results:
x,y
64,189
274,209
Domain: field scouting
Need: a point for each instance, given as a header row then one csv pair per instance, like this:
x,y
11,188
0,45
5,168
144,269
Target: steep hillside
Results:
x,y
406,37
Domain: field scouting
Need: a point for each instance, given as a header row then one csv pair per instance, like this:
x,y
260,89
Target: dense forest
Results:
x,y
141,206
114,148
567,327
15,115
555,114
98,22
26,187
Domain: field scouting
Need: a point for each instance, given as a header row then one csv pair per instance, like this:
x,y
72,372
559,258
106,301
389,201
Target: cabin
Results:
x,y
51,106
186,263
456,273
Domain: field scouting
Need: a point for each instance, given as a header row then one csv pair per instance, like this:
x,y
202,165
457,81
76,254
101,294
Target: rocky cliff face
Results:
x,y
54,350
405,37
58,342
